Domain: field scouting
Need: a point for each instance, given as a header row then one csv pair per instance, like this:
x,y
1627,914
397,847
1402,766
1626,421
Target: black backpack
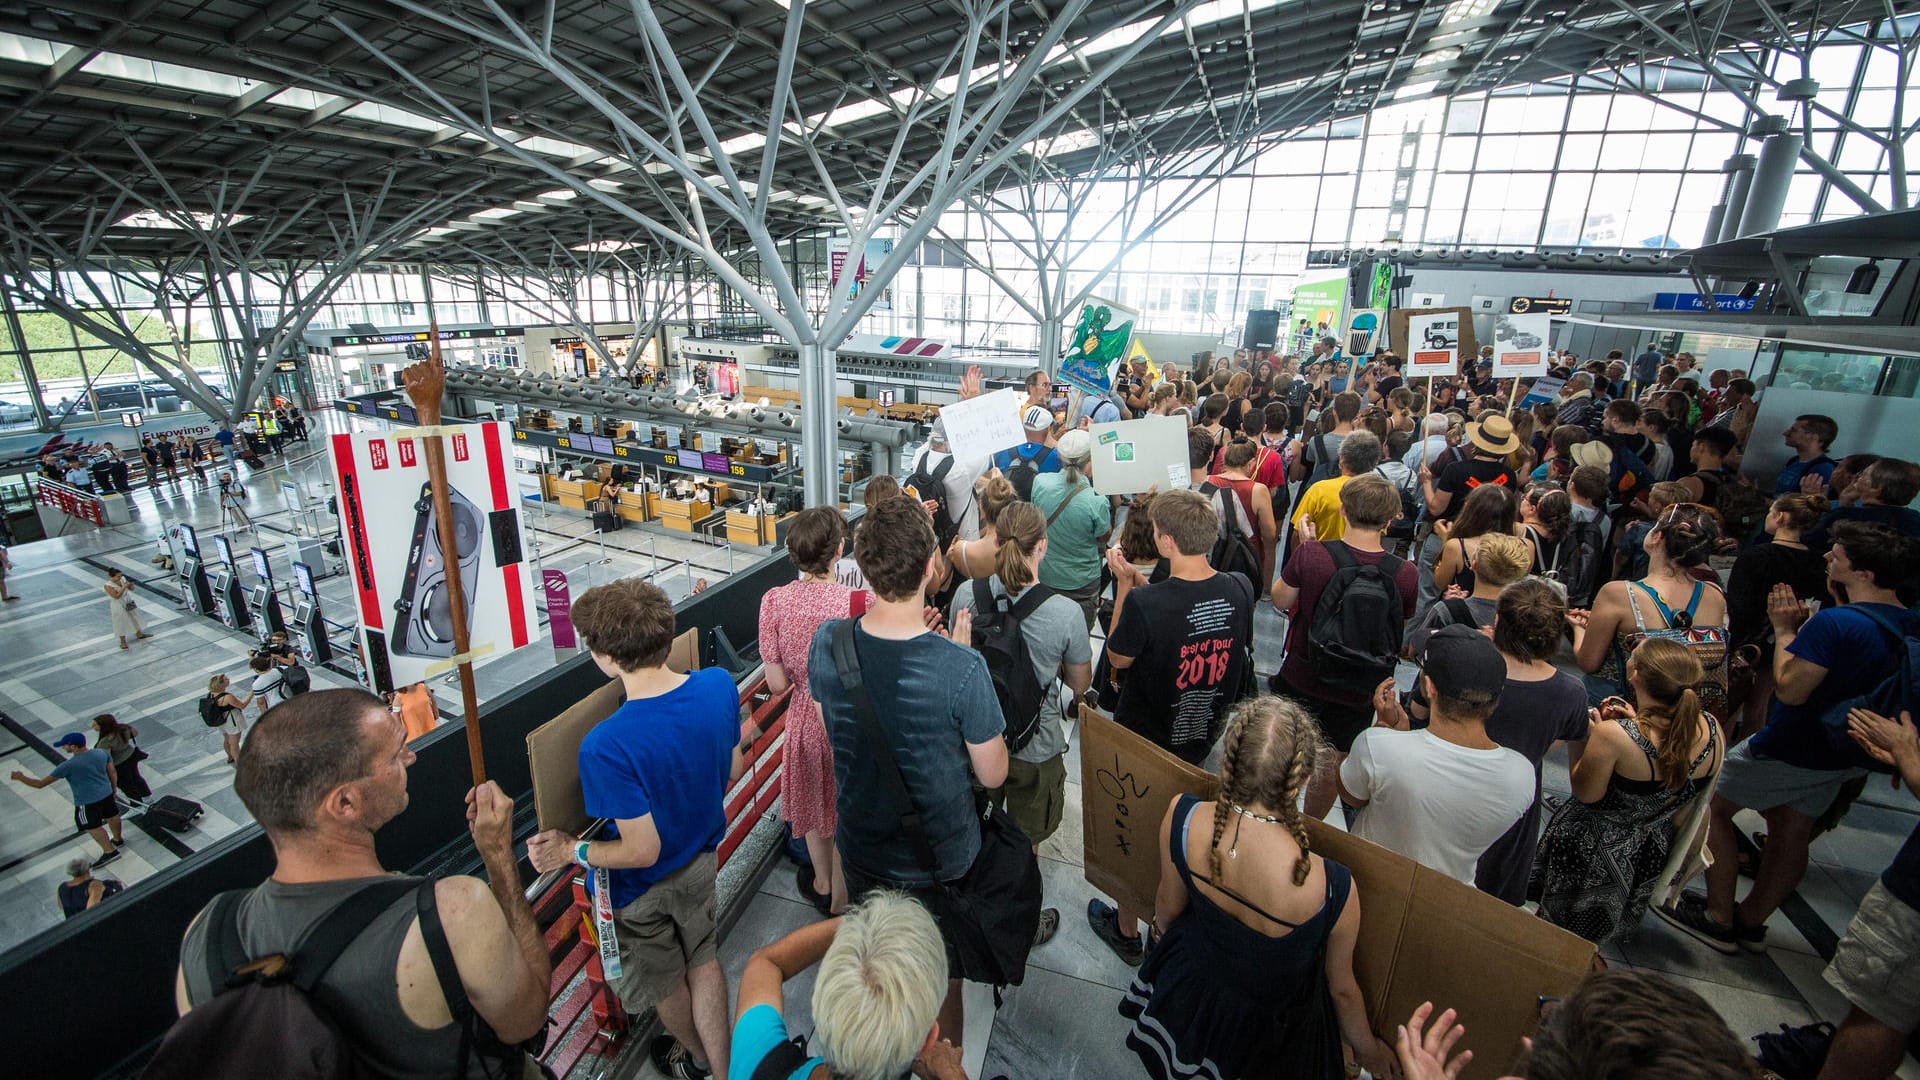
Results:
x,y
1411,503
996,634
211,714
1353,641
1232,549
1020,472
1325,465
298,680
1576,561
264,1009
932,487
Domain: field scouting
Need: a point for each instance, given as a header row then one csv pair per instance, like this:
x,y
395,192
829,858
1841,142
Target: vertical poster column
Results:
x,y
394,555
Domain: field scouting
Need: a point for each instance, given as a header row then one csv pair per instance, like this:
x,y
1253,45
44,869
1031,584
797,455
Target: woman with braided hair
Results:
x,y
1252,975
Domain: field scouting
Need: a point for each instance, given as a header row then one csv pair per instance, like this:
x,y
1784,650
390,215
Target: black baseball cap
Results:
x,y
1464,665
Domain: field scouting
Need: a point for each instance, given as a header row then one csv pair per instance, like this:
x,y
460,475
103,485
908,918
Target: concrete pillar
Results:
x,y
1739,170
819,430
1771,179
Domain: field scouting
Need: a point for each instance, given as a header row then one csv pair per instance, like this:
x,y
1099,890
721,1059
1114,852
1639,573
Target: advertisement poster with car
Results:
x,y
1433,343
400,572
1520,345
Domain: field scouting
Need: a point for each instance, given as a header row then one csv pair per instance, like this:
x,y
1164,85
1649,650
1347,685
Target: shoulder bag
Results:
x,y
990,913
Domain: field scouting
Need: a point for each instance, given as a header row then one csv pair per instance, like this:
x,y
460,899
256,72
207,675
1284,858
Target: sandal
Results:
x,y
123,643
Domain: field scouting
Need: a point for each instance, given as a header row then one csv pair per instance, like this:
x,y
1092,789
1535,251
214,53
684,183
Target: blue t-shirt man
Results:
x,y
86,776
669,756
1790,476
1045,458
933,698
224,437
1858,656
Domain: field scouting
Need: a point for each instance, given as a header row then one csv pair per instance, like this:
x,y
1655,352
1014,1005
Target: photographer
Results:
x,y
233,497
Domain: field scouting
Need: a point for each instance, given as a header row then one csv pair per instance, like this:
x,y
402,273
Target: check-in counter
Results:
x,y
633,505
757,529
681,515
575,494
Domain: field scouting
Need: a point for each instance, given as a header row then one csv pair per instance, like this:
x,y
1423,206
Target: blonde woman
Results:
x,y
223,710
974,559
1253,971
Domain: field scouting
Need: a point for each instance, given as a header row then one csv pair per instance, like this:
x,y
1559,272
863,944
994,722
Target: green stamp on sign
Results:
x,y
1123,451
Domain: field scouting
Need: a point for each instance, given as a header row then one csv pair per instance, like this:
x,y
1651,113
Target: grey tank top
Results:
x,y
359,991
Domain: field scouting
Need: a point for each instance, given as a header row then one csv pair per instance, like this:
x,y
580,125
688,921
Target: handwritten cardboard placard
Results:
x,y
981,427
1423,935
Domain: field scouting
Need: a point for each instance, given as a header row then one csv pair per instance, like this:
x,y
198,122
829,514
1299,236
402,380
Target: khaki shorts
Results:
x,y
669,931
1763,783
1036,795
1877,966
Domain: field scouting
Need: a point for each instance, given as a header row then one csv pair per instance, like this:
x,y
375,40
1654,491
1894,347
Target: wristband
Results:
x,y
580,855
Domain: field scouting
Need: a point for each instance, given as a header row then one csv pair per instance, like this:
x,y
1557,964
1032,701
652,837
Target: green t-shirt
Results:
x,y
1074,549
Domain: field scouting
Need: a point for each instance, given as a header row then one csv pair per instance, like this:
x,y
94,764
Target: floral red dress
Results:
x,y
789,615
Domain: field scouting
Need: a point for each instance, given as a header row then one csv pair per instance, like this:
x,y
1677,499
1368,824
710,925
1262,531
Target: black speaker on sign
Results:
x,y
1263,329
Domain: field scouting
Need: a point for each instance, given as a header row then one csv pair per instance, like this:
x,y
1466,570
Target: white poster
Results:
x,y
1520,345
981,427
1433,344
1130,456
400,573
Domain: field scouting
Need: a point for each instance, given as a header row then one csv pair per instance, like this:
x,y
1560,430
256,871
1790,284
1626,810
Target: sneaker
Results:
x,y
1049,925
1105,920
1690,915
106,858
673,1061
1751,938
120,842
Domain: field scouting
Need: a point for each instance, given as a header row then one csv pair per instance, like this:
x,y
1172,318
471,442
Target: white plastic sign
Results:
x,y
1520,346
1130,456
1433,343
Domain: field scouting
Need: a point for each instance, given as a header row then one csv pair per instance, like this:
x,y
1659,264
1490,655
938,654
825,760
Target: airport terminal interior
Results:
x,y
692,268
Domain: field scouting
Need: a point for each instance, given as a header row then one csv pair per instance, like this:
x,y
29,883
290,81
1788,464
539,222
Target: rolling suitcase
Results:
x,y
173,813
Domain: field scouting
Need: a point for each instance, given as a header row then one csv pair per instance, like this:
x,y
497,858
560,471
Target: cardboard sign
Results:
x,y
981,427
1423,935
1130,456
1520,346
1101,339
1433,343
553,748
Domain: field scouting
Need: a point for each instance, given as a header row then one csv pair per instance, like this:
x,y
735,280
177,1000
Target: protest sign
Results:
x,y
1520,345
1130,456
981,427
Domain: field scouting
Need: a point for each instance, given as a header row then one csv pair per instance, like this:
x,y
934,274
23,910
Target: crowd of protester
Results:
x,y
1468,585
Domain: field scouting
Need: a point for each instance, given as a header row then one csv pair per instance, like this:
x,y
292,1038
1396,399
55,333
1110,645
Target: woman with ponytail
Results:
x,y
1604,849
1035,794
1670,601
1253,972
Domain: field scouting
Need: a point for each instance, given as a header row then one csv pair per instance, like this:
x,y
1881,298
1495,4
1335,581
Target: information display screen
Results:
x,y
602,445
261,568
303,578
223,550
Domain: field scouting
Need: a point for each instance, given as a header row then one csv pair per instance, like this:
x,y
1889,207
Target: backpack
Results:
x,y
1232,549
211,714
997,637
1411,504
1353,641
264,1009
1461,613
1282,491
932,487
1325,465
1576,560
1888,697
1021,471
296,679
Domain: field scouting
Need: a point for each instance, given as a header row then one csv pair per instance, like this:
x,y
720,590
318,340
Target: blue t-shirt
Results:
x,y
759,1030
1045,458
933,698
223,437
1788,481
1858,655
668,756
86,776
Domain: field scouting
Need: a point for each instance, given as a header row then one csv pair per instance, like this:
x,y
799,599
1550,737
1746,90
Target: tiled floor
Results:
x,y
60,664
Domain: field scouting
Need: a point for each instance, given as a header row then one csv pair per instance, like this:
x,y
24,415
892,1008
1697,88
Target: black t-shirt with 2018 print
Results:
x,y
1189,641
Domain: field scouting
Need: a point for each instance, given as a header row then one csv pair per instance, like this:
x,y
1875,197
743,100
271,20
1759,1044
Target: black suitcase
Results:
x,y
174,813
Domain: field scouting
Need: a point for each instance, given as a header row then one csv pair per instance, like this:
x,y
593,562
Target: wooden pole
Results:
x,y
426,382
1513,395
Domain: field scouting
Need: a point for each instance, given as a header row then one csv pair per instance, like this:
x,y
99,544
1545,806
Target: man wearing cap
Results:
x,y
90,782
1489,442
1480,379
1442,794
1037,455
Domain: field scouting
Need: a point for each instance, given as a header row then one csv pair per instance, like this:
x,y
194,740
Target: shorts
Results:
x,y
1035,795
1339,722
1763,783
667,932
1877,965
95,814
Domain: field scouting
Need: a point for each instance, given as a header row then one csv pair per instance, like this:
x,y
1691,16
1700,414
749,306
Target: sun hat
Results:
x,y
1592,452
1494,435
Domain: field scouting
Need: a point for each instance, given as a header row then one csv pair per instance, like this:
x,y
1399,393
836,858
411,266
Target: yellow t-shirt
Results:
x,y
1321,502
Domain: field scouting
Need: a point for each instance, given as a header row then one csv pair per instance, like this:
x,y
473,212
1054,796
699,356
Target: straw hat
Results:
x,y
1593,452
1494,435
